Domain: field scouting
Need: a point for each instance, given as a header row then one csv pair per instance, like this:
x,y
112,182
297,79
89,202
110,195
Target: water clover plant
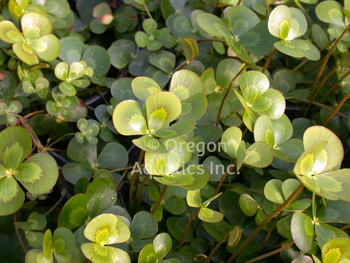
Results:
x,y
36,41
258,154
62,104
153,37
60,245
277,134
258,99
72,77
104,17
103,230
87,159
161,109
87,131
37,174
173,204
335,249
191,94
287,24
35,221
323,152
219,134
8,112
243,31
41,87
160,247
82,207
170,166
206,214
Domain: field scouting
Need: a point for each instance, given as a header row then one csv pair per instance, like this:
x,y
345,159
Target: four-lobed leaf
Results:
x,y
317,167
287,24
36,41
37,174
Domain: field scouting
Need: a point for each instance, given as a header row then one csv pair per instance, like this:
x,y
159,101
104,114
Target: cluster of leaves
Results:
x,y
184,142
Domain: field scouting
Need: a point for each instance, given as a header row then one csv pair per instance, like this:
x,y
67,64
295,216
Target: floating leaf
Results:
x,y
11,197
213,25
330,12
230,141
38,174
302,231
97,58
326,233
74,212
128,118
15,145
287,23
241,19
101,194
143,225
190,48
335,250
209,215
107,229
333,152
248,205
71,50
162,244
121,52
258,154
142,87
161,109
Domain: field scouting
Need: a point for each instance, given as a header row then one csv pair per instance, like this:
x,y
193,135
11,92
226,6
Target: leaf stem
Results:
x,y
148,13
243,188
33,136
335,111
59,139
121,178
270,231
121,169
271,253
325,60
63,195
315,67
187,227
33,113
320,87
135,176
159,200
307,60
184,64
267,62
344,227
334,86
318,104
268,218
223,177
141,188
239,72
18,234
217,247
2,5
314,207
211,39
70,29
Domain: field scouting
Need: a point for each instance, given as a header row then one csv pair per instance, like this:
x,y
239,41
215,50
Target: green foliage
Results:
x,y
36,40
219,134
106,229
37,174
